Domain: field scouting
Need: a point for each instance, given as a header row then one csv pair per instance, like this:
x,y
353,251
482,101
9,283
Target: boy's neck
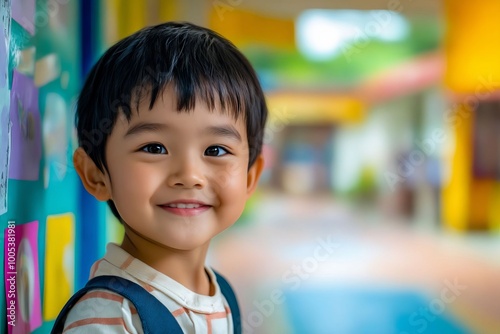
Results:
x,y
185,267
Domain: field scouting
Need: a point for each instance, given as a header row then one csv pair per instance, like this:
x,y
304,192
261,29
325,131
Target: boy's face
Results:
x,y
179,179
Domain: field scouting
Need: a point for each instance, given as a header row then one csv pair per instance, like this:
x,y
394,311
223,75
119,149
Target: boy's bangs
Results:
x,y
214,93
206,70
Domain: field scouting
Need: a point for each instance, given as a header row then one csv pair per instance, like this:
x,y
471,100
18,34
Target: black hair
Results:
x,y
198,62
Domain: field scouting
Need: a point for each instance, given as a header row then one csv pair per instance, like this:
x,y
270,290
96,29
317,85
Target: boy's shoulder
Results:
x,y
103,311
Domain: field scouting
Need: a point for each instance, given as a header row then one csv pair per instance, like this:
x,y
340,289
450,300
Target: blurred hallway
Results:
x,y
405,270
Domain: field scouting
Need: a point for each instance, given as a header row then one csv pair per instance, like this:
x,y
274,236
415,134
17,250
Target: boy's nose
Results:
x,y
187,174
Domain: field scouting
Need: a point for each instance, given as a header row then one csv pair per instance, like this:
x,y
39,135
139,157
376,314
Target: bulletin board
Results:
x,y
42,234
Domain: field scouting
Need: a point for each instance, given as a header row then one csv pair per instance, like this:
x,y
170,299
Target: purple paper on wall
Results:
x,y
26,142
23,11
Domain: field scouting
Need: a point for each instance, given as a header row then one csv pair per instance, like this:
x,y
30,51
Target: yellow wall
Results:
x,y
123,17
472,71
244,28
314,108
456,190
471,46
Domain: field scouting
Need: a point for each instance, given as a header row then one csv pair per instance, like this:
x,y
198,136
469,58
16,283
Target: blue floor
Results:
x,y
359,311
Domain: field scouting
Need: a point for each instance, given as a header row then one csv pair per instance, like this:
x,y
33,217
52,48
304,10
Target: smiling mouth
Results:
x,y
183,205
185,209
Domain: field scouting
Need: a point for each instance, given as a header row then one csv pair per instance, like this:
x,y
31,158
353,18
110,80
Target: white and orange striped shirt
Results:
x,y
102,311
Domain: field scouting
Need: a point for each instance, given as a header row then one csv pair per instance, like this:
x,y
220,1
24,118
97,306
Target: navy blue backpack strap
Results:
x,y
155,317
228,293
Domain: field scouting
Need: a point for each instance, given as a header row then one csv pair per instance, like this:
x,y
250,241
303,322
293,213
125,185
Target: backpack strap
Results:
x,y
228,293
155,317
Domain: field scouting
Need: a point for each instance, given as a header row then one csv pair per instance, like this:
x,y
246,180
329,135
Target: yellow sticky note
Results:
x,y
47,69
59,264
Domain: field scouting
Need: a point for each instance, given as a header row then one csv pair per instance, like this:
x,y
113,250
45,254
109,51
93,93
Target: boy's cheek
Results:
x,y
228,179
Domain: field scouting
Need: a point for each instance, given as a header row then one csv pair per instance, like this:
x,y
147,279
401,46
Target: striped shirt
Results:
x,y
102,311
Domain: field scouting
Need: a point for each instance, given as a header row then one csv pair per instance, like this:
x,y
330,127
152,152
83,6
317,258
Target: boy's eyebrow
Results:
x,y
216,130
145,127
225,131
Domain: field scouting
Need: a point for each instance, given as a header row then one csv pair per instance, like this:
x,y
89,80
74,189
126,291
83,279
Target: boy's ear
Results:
x,y
92,178
254,174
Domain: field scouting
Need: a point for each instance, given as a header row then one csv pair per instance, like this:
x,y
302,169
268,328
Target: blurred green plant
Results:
x,y
289,69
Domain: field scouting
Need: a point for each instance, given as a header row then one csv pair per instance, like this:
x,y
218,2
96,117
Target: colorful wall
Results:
x,y
44,228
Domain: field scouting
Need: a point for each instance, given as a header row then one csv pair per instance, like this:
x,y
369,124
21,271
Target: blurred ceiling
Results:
x,y
291,8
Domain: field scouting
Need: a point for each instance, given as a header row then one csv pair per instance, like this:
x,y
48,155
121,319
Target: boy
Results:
x,y
179,116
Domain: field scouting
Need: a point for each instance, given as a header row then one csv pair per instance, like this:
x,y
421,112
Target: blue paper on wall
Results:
x,y
5,11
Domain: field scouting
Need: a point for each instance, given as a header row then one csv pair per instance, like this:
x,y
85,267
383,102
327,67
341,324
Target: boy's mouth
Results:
x,y
185,207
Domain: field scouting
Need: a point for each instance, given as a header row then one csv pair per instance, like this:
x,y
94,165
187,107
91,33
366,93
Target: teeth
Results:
x,y
184,205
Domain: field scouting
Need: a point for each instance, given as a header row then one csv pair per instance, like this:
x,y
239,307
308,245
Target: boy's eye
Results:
x,y
154,149
215,151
